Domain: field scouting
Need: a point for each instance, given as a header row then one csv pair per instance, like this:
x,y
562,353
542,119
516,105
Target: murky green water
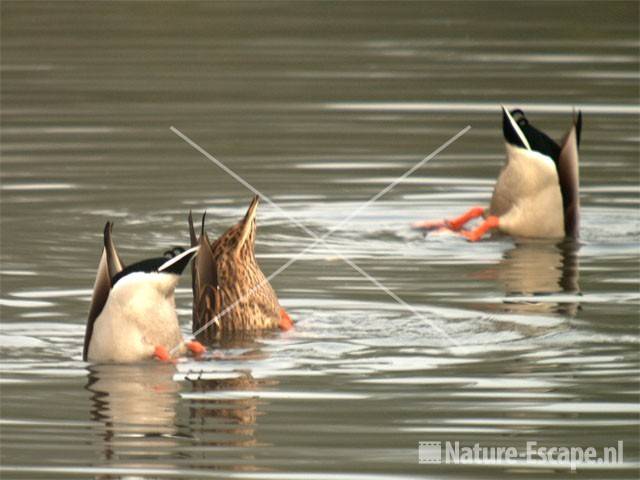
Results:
x,y
319,106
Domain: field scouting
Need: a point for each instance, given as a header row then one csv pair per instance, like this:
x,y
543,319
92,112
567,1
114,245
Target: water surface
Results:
x,y
320,107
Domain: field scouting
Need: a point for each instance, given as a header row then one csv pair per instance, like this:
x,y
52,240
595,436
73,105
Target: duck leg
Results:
x,y
195,347
454,224
285,320
161,353
459,222
491,222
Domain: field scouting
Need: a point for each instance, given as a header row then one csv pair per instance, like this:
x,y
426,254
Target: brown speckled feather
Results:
x,y
204,282
229,282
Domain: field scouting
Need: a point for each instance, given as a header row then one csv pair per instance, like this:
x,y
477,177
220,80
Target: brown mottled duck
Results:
x,y
231,295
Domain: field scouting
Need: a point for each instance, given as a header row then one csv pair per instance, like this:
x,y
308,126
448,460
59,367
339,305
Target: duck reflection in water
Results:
x,y
533,272
136,403
219,411
141,408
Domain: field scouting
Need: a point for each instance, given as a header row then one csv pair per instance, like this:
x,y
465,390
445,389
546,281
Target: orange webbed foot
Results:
x,y
196,348
459,222
454,225
162,354
285,320
471,235
474,235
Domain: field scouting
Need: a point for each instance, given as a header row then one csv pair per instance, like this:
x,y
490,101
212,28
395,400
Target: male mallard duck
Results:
x,y
133,311
537,192
230,293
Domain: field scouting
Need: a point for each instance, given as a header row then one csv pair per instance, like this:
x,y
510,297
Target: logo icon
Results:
x,y
430,452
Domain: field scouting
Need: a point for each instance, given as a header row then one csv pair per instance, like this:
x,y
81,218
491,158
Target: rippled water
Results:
x,y
320,107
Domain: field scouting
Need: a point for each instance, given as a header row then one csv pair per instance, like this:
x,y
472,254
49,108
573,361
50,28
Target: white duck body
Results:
x,y
133,309
537,193
527,195
139,314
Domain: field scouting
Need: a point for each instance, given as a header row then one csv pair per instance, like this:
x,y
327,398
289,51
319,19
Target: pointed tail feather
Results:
x,y
206,296
569,177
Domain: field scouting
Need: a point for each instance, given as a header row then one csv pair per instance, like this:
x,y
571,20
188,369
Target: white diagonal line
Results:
x,y
399,179
348,217
311,233
332,230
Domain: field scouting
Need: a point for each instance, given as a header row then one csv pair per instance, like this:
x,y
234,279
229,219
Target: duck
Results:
x,y
133,316
231,295
536,194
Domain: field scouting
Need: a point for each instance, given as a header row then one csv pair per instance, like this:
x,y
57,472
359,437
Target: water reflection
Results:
x,y
234,418
533,271
213,408
136,404
140,422
220,413
268,90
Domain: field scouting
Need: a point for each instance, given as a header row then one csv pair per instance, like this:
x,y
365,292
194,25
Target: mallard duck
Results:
x,y
231,295
537,191
133,313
